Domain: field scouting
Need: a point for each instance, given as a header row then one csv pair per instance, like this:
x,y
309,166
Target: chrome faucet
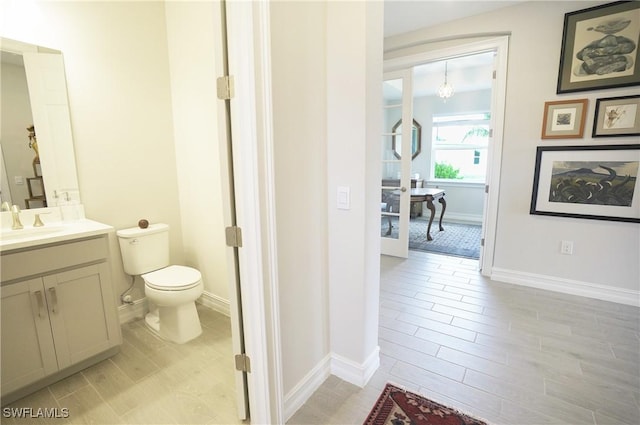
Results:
x,y
15,214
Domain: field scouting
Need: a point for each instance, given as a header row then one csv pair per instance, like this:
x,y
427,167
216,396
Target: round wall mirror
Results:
x,y
416,139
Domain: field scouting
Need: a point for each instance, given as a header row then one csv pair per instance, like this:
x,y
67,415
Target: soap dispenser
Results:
x,y
68,208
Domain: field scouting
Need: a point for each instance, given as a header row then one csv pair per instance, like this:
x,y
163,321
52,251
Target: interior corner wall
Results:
x,y
194,36
354,126
299,118
527,247
119,96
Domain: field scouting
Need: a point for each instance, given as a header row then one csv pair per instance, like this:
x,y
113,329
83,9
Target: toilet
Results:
x,y
171,289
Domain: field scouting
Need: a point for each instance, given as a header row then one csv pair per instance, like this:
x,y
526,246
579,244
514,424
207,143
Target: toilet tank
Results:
x,y
144,250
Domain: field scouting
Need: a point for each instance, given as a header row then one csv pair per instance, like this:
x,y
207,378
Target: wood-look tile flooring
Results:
x,y
505,353
150,381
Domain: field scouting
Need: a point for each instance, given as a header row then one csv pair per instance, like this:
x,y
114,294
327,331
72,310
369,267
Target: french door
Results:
x,y
396,163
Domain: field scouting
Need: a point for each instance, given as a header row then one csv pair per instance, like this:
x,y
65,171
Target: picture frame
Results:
x,y
617,116
564,119
590,182
599,48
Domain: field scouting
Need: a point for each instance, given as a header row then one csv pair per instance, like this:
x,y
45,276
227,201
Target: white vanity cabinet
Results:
x,y
58,313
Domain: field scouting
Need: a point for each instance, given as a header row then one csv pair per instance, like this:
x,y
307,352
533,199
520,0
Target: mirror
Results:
x,y
37,171
416,139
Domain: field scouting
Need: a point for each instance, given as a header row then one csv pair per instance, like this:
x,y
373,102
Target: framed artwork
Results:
x,y
564,119
592,182
600,48
617,116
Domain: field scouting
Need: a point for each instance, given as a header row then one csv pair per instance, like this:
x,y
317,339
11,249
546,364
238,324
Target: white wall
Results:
x,y
299,112
354,125
605,259
194,37
327,124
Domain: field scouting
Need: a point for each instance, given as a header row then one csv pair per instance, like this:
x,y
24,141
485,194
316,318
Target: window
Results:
x,y
459,147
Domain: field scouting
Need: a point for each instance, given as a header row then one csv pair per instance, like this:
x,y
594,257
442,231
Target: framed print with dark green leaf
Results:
x,y
600,48
592,182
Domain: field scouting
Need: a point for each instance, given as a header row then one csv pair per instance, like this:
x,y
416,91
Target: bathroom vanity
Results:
x,y
58,308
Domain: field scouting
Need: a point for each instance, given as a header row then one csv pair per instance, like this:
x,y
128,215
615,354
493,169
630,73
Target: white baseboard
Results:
x,y
299,394
354,373
215,303
459,217
129,312
137,310
331,364
567,286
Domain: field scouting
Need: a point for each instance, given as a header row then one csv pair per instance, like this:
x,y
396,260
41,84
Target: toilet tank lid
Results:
x,y
136,232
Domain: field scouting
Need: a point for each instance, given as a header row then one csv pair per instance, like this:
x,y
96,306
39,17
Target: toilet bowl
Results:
x,y
172,291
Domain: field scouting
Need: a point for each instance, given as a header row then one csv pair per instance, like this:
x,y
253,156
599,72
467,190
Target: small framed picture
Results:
x,y
599,48
617,116
564,119
592,182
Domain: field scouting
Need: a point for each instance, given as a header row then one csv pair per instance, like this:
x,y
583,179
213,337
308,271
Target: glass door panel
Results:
x,y
396,165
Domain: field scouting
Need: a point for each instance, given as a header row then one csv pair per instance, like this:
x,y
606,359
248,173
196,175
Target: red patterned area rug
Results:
x,y
396,406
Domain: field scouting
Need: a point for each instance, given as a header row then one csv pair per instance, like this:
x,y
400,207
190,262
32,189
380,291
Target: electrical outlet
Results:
x,y
566,247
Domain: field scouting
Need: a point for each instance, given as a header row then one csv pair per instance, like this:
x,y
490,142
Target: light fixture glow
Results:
x,y
445,91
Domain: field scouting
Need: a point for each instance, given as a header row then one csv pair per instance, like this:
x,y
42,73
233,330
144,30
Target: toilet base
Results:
x,y
179,324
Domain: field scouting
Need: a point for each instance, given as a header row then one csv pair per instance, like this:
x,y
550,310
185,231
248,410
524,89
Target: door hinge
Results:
x,y
486,188
243,363
224,87
233,236
494,74
482,242
491,132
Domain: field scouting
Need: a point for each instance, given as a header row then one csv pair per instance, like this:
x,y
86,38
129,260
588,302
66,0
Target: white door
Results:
x,y
230,219
397,145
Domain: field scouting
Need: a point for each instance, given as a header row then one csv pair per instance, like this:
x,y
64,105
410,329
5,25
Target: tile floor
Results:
x,y
508,354
150,381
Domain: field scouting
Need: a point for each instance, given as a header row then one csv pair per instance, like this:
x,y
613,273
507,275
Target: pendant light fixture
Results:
x,y
445,91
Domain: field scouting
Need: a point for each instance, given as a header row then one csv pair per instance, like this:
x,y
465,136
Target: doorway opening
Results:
x,y
455,98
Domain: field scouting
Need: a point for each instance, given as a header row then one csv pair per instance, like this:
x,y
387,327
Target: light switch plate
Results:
x,y
344,198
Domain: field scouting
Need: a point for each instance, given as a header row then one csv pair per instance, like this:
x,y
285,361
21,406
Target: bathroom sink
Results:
x,y
29,232
52,232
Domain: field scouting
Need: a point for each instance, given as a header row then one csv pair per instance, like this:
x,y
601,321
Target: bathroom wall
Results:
x,y
605,259
194,37
127,150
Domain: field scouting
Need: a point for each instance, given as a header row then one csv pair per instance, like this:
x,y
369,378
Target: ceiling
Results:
x,y
401,16
465,73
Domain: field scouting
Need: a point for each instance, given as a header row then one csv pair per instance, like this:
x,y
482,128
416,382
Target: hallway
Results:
x,y
505,353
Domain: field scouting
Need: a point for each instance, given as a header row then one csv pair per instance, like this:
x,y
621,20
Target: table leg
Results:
x,y
444,207
390,226
431,208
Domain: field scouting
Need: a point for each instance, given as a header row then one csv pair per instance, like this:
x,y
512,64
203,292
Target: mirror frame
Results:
x,y
57,151
416,139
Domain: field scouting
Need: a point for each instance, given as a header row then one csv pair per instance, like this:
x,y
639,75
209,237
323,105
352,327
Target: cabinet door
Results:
x,y
82,312
27,344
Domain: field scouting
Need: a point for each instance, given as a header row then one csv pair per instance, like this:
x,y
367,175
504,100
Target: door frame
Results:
x,y
249,60
500,45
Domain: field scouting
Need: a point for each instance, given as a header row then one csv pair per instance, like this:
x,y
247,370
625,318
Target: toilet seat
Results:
x,y
173,278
